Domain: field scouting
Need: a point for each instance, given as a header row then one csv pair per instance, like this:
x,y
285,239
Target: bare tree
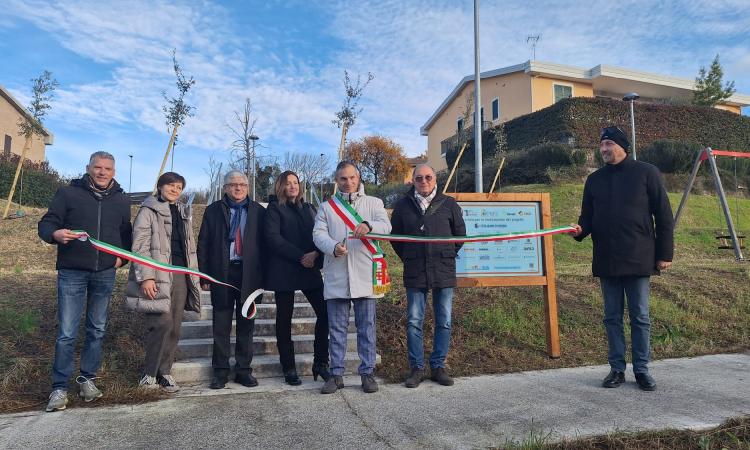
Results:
x,y
309,167
176,110
30,125
348,113
214,173
243,146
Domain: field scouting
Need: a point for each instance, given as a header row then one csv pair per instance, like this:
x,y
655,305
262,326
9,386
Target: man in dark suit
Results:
x,y
626,211
230,249
425,211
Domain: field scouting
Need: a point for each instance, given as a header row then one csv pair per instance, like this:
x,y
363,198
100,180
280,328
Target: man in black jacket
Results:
x,y
230,250
424,211
627,212
85,276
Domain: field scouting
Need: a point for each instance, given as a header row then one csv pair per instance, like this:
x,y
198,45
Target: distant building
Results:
x,y
11,141
524,88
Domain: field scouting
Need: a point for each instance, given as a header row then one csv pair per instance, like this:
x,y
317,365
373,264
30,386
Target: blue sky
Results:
x,y
112,60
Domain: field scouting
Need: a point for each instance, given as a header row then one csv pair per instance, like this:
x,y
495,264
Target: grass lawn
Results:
x,y
700,306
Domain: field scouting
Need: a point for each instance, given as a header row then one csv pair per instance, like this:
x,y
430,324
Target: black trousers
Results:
x,y
222,329
284,312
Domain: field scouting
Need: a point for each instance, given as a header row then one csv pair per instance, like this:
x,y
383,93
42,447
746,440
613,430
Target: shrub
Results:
x,y
670,156
37,184
390,193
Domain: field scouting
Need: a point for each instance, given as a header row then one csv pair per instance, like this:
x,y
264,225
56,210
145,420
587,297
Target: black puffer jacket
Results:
x,y
288,234
428,265
627,212
105,217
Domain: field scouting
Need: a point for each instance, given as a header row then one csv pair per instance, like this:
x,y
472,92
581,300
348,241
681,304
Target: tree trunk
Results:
x,y
166,156
15,179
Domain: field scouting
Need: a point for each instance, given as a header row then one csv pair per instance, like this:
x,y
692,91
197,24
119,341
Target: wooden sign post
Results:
x,y
522,262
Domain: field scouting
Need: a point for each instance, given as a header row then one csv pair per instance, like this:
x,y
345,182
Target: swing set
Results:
x,y
732,240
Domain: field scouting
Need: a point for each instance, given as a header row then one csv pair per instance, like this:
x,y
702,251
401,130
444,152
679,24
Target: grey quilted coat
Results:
x,y
152,234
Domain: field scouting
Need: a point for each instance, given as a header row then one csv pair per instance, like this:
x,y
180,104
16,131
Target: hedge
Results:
x,y
577,122
37,184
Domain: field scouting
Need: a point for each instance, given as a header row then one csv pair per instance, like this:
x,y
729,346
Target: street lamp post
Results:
x,y
253,138
130,184
477,106
322,155
631,98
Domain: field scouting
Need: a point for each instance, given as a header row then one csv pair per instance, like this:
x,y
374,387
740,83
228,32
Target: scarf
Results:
x,y
237,217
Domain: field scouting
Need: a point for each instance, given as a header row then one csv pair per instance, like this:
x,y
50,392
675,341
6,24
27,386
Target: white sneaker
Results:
x,y
58,400
148,382
89,391
168,383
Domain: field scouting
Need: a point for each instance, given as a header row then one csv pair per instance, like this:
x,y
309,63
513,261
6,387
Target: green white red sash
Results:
x,y
248,309
474,238
381,282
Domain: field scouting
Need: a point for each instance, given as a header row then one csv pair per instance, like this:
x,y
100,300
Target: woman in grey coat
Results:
x,y
163,232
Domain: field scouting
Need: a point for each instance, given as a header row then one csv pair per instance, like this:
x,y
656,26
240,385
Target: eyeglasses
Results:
x,y
425,178
236,185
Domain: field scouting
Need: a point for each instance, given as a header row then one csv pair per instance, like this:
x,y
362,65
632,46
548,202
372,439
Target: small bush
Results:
x,y
670,156
37,184
390,193
536,164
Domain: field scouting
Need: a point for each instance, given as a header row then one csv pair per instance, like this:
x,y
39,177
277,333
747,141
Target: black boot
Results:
x,y
415,378
322,370
440,376
291,378
614,379
219,381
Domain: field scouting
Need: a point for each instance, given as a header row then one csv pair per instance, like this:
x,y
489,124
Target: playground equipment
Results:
x,y
709,155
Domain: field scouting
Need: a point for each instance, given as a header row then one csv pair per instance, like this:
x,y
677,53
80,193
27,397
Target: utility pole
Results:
x,y
477,107
130,184
253,138
631,98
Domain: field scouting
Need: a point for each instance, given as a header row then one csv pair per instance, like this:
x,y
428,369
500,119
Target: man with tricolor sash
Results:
x,y
425,211
354,271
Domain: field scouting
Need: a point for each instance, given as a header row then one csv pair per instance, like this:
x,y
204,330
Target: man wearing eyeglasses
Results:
x,y
230,249
424,211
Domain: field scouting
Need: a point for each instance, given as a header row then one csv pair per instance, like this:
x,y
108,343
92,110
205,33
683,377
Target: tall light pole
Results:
x,y
322,155
253,138
130,185
631,98
477,107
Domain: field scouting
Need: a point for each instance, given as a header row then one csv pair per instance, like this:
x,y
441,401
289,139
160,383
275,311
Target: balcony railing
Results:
x,y
464,135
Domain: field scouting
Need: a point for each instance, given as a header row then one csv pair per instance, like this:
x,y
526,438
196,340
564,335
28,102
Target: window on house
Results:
x,y
481,114
6,146
460,124
495,109
562,91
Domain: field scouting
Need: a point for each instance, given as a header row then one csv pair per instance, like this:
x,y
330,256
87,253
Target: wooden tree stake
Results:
x,y
15,179
166,156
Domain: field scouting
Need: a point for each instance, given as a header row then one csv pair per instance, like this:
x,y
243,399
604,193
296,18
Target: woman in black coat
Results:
x,y
294,264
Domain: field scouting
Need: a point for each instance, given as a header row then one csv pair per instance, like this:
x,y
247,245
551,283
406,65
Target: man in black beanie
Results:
x,y
626,211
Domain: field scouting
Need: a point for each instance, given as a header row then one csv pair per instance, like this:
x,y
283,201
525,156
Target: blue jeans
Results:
x,y
76,290
636,289
442,300
338,326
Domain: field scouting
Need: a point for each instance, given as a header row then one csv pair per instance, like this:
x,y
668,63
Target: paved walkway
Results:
x,y
477,412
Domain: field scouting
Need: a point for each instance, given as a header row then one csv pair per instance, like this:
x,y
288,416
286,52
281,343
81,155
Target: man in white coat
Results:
x,y
348,273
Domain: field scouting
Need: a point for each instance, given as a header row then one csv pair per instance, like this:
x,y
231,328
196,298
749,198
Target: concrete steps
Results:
x,y
265,366
262,345
194,349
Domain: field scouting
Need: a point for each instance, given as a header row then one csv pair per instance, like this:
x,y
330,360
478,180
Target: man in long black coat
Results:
x,y
424,211
230,249
626,210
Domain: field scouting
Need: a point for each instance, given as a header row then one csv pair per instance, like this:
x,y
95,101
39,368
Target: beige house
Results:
x,y
11,141
524,88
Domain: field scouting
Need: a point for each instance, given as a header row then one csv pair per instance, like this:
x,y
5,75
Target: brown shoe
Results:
x,y
415,378
440,376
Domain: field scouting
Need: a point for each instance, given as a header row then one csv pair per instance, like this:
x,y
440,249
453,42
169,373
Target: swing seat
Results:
x,y
725,242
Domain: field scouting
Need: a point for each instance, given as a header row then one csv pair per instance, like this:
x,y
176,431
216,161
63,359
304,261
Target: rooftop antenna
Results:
x,y
533,40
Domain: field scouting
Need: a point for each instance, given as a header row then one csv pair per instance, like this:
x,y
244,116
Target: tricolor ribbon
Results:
x,y
381,282
248,308
474,238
